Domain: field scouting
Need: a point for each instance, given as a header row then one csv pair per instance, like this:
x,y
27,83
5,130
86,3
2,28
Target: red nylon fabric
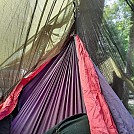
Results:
x,y
10,103
99,116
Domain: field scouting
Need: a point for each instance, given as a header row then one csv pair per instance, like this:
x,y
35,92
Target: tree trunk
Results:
x,y
130,56
130,53
88,25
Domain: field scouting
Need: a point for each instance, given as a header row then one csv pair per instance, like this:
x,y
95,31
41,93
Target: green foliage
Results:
x,y
118,15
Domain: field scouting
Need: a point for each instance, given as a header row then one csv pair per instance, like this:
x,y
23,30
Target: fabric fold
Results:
x,y
99,116
122,118
10,103
52,96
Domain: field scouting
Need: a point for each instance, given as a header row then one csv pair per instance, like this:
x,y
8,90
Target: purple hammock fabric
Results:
x,y
122,118
52,96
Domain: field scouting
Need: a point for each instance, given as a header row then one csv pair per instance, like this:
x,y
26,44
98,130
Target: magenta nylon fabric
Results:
x,y
52,96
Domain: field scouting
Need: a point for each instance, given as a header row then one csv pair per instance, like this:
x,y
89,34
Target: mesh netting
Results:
x,y
30,30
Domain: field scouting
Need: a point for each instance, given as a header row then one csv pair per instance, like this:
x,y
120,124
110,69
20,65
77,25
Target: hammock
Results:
x,y
57,87
43,32
53,95
118,111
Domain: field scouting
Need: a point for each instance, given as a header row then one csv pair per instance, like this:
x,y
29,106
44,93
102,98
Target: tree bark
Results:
x,y
130,53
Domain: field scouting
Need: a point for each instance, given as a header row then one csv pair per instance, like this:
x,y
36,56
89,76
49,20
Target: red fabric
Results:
x,y
99,116
10,103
